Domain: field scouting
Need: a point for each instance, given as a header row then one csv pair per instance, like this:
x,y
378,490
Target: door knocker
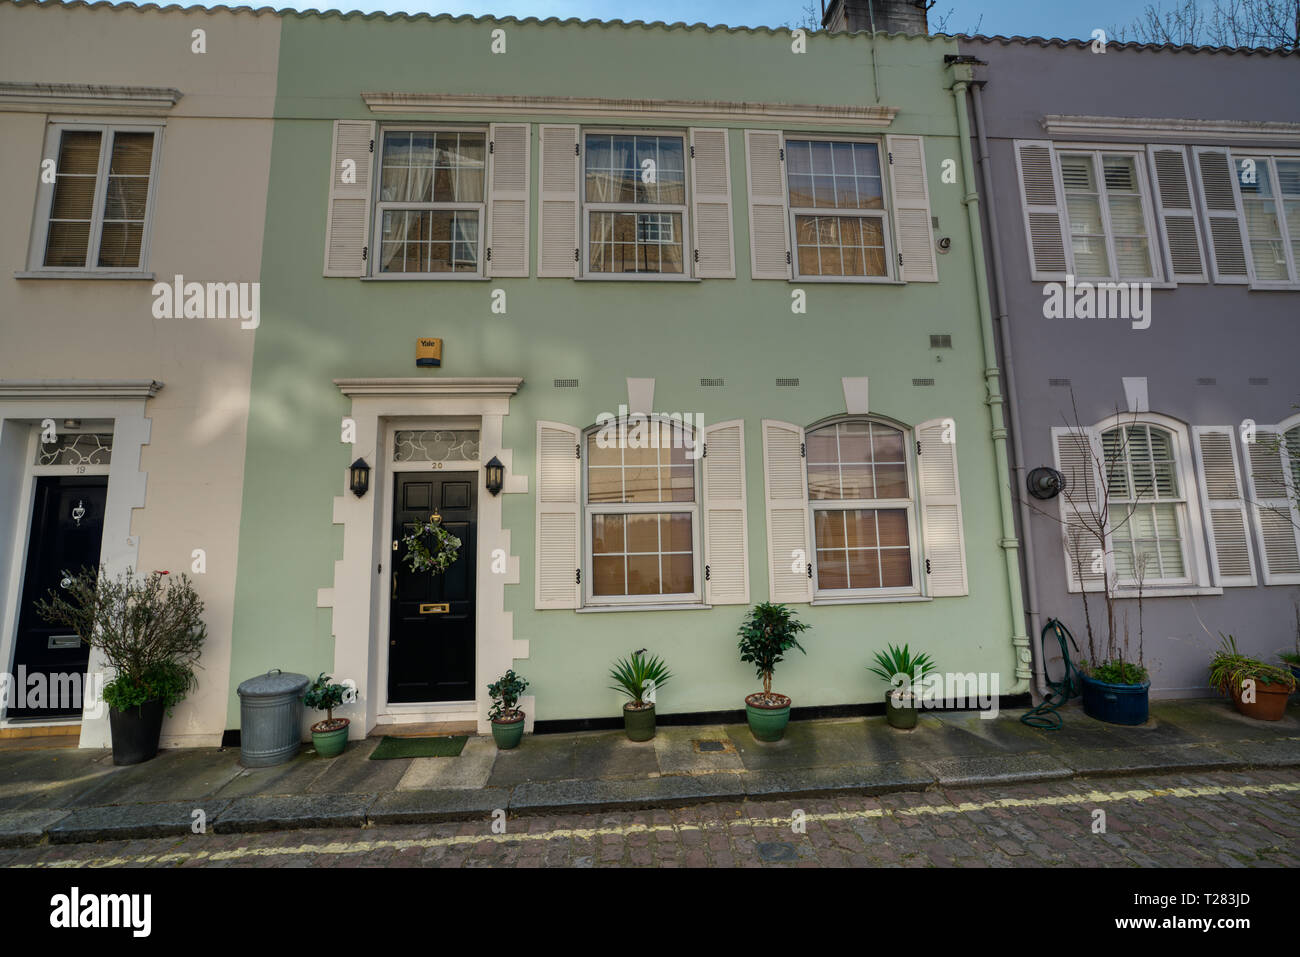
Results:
x,y
79,512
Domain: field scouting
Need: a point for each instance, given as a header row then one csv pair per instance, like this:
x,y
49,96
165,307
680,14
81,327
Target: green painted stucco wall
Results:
x,y
316,329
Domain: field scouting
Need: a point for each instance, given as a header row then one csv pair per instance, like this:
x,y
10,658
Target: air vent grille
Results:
x,y
788,383
566,383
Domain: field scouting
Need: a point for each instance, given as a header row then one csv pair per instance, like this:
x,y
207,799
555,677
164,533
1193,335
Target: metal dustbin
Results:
x,y
270,718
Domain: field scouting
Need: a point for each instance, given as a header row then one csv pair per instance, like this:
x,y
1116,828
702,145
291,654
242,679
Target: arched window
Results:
x,y
642,515
1146,504
861,493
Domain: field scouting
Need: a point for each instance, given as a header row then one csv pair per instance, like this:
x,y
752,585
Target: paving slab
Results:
x,y
426,806
1004,733
868,779
274,813
999,768
610,756
1136,760
177,775
675,750
54,778
295,776
666,791
807,744
128,822
25,828
470,769
538,757
352,772
1278,753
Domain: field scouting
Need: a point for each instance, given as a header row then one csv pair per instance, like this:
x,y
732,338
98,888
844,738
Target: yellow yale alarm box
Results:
x,y
428,352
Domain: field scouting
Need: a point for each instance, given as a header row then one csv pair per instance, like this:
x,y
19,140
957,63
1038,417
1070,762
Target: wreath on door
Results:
x,y
430,547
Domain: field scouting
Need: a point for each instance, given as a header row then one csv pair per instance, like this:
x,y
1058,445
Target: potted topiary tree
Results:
x,y
904,674
507,720
766,635
636,676
150,631
331,735
1258,690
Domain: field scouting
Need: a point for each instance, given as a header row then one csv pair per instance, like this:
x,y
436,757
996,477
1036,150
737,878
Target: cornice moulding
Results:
x,y
79,388
86,97
715,111
1085,126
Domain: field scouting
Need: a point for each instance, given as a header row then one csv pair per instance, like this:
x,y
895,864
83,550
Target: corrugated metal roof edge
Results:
x,y
647,25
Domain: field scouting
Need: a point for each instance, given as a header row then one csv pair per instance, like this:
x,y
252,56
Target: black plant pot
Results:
x,y
136,732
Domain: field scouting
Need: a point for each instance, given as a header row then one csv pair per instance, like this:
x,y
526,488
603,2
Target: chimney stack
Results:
x,y
890,16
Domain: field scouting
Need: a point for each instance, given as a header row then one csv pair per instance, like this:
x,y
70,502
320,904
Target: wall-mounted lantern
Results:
x,y
496,475
360,477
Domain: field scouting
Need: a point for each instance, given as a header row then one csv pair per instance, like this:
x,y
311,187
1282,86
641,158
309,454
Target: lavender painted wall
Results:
x,y
1230,334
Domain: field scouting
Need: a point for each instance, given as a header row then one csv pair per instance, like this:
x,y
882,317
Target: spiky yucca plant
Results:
x,y
636,674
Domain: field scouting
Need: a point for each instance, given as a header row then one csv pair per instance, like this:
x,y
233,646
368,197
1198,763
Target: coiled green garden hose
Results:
x,y
1045,716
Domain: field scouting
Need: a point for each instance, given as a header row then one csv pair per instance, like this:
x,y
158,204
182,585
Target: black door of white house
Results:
x,y
431,618
67,525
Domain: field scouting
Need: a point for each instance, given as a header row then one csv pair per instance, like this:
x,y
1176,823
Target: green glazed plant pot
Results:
x,y
330,743
508,732
639,723
898,714
767,721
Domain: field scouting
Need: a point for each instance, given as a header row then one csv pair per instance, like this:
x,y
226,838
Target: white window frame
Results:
x,y
1292,252
885,213
45,199
911,504
1155,243
585,208
379,206
588,509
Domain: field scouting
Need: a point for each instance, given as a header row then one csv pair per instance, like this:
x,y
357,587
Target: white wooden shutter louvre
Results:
x,y
911,196
1223,216
1231,560
1177,213
769,226
941,527
789,555
347,227
715,256
1271,495
726,543
508,199
1077,454
1044,218
559,202
559,485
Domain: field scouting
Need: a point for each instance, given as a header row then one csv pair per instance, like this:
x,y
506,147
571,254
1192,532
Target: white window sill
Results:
x,y
692,606
866,600
431,277
83,274
1186,591
635,277
847,281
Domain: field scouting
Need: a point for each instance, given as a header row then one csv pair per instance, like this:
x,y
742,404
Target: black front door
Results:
x,y
431,619
67,524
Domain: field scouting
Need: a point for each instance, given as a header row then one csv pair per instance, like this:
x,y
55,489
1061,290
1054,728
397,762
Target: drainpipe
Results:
x,y
1013,402
961,75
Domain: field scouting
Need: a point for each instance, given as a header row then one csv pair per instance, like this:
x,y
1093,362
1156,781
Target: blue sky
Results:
x,y
1009,17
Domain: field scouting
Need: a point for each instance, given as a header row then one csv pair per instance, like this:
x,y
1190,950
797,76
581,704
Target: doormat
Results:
x,y
446,747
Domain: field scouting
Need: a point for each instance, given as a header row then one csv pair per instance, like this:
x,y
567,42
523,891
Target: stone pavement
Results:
x,y
69,796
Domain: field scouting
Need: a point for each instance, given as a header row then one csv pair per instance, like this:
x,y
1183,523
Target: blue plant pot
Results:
x,y
1115,704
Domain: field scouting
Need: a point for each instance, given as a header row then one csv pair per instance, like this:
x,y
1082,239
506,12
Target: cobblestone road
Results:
x,y
1249,819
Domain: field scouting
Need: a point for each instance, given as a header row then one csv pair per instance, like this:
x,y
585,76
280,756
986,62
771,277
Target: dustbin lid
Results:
x,y
274,682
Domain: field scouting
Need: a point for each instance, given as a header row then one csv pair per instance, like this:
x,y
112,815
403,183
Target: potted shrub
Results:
x,y
507,720
635,676
1258,690
150,631
1115,691
766,635
331,735
904,674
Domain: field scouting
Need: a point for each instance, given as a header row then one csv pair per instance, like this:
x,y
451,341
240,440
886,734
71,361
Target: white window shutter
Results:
x,y
559,486
769,224
559,203
1272,502
789,554
1224,220
1231,560
945,546
347,227
1040,194
726,543
911,196
1077,453
508,199
715,256
1176,209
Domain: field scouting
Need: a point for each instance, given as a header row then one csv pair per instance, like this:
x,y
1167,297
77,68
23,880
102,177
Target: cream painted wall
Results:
x,y
207,224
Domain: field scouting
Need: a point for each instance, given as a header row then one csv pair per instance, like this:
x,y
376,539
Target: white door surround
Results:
x,y
359,595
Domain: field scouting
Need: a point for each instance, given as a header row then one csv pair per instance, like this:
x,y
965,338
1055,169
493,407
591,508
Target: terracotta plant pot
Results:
x,y
330,737
639,723
508,732
1269,704
767,719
